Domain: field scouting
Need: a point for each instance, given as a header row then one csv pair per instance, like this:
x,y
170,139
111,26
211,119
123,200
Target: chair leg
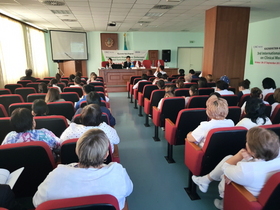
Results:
x,y
140,111
169,156
191,190
128,94
156,138
131,98
147,121
135,104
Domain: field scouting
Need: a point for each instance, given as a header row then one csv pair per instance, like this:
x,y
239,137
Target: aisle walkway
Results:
x,y
157,184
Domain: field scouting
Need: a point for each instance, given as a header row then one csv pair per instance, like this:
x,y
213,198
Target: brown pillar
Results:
x,y
225,42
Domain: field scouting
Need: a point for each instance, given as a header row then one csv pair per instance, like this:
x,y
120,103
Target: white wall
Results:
x,y
264,33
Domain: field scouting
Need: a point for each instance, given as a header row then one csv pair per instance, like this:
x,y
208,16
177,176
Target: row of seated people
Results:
x,y
217,110
145,63
88,118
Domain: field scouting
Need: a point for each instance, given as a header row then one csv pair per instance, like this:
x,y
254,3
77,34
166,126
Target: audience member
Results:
x,y
192,72
160,69
86,90
169,92
78,74
90,118
255,114
160,84
244,88
53,83
77,82
42,88
209,78
71,78
250,167
225,79
188,78
53,95
58,77
88,177
216,110
181,72
28,73
276,96
24,130
222,88
268,85
144,77
158,77
94,98
165,77
179,83
193,91
92,77
39,108
149,72
202,82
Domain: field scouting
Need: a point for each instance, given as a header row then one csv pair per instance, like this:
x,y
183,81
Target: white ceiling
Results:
x,y
94,15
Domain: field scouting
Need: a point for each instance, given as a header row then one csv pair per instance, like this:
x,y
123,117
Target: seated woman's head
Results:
x,y
268,83
221,85
180,83
202,82
160,84
92,148
42,88
53,82
159,75
188,78
93,76
77,80
71,78
256,93
193,91
39,107
276,95
52,95
181,72
216,108
144,76
245,84
262,143
91,115
254,109
209,77
169,88
22,120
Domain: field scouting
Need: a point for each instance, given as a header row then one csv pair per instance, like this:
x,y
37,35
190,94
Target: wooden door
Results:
x,y
153,56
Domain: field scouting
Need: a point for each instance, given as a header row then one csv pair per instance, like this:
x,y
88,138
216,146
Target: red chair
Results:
x,y
131,87
219,143
25,91
170,109
49,78
33,96
205,91
175,133
232,89
3,111
156,95
104,63
147,64
146,93
37,159
55,123
275,116
197,101
159,63
78,90
234,113
65,81
269,98
64,108
188,85
128,83
7,100
43,80
70,96
34,85
12,87
96,84
182,92
14,106
268,198
243,98
211,84
5,127
232,100
24,82
104,202
4,91
141,85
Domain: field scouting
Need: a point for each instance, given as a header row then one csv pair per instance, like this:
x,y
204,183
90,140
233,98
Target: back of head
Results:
x,y
194,89
254,109
255,92
217,108
180,83
79,74
222,85
268,83
144,76
202,82
276,95
209,77
91,115
92,148
53,82
159,75
42,88
58,76
161,67
77,80
225,79
93,98
93,75
52,95
170,88
149,72
191,71
28,72
71,78
263,143
160,84
165,76
188,78
21,120
182,72
39,107
245,84
88,88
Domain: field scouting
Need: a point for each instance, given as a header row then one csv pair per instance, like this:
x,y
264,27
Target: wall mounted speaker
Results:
x,y
166,55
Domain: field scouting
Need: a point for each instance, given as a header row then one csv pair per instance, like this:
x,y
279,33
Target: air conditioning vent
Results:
x,y
163,7
53,3
61,12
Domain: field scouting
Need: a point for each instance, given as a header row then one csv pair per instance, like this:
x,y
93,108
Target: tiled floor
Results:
x,y
157,184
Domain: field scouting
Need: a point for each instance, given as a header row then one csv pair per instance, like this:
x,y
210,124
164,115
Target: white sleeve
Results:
x,y
236,174
199,133
155,74
128,183
159,104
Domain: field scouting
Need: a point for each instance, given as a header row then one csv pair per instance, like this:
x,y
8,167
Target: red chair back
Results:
x,y
147,64
7,100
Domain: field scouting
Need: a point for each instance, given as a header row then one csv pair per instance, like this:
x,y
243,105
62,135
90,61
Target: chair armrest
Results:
x,y
147,106
127,86
242,190
170,131
131,89
115,155
140,99
156,116
193,157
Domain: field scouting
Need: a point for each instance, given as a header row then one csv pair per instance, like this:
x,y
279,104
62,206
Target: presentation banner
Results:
x,y
265,55
118,56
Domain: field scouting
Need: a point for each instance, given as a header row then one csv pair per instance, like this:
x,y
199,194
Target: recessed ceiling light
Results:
x,y
163,7
153,14
53,2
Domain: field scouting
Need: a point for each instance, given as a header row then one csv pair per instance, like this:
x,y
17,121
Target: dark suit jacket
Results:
x,y
126,64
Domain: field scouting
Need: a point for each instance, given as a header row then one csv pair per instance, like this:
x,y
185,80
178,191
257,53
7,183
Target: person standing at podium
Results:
x,y
127,63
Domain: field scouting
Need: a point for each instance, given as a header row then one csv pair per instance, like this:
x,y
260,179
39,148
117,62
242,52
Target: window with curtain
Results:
x,y
21,47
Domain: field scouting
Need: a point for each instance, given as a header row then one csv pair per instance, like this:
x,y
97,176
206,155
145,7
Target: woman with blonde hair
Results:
x,y
90,176
250,167
92,77
53,95
216,110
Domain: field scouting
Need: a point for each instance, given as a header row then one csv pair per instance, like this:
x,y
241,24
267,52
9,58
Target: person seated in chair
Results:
x,y
28,73
127,63
42,88
90,118
202,82
222,88
255,114
216,110
193,91
39,108
250,167
179,83
53,95
53,83
94,98
109,64
169,92
90,176
24,130
160,84
269,86
77,82
192,72
144,77
244,88
188,78
160,69
92,78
